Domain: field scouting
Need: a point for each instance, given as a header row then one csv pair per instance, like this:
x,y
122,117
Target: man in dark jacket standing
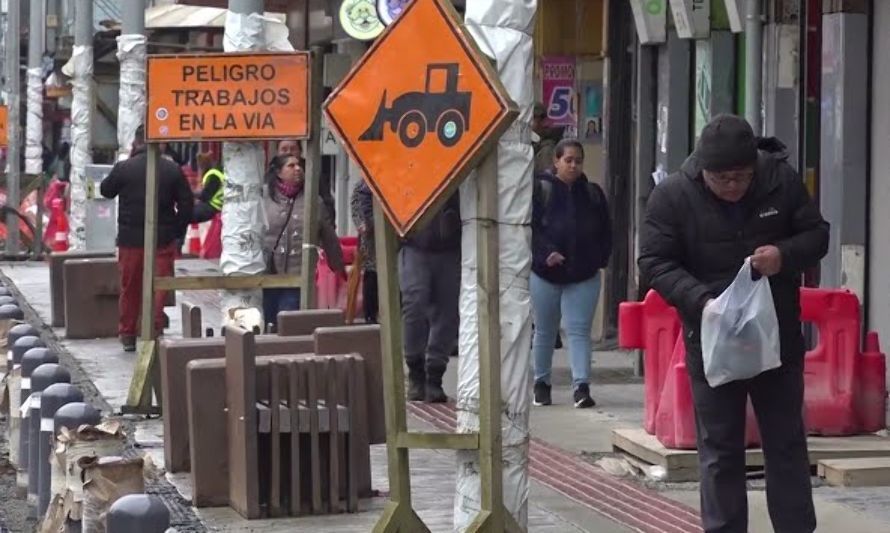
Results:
x,y
429,276
731,201
175,203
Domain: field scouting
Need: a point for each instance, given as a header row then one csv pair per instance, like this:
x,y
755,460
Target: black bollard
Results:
x,y
15,333
72,416
29,360
138,513
54,397
42,377
12,311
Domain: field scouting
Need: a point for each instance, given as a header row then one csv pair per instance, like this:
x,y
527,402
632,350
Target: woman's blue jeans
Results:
x,y
277,300
573,304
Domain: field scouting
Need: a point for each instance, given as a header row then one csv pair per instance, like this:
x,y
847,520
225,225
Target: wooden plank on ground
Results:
x,y
858,472
682,465
233,283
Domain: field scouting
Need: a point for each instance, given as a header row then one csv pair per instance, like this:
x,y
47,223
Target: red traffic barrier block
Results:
x,y
652,326
845,388
675,411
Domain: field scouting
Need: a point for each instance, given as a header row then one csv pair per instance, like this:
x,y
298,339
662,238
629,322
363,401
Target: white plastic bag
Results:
x,y
740,331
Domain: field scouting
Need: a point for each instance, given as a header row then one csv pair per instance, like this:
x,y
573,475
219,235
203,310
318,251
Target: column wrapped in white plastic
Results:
x,y
131,109
243,213
503,30
34,123
81,116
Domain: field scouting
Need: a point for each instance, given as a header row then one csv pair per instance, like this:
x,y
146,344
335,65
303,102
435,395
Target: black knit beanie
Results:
x,y
727,143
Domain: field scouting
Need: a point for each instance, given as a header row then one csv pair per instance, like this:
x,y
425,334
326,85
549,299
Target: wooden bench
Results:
x,y
275,425
206,417
91,294
57,281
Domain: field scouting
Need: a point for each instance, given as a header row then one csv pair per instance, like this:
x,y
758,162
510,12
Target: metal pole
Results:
x,y
131,54
81,119
313,177
34,125
13,88
754,65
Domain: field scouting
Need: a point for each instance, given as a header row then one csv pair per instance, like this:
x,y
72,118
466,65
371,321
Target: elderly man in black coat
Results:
x,y
735,197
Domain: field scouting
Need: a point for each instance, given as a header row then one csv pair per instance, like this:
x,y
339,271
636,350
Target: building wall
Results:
x,y
879,199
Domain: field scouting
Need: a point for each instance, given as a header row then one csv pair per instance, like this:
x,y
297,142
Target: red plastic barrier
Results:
x,y
652,326
845,389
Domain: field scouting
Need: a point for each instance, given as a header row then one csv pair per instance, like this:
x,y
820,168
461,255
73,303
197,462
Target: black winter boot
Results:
x,y
434,391
416,379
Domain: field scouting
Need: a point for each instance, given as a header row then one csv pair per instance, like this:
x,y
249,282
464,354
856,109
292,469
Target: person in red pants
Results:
x,y
175,203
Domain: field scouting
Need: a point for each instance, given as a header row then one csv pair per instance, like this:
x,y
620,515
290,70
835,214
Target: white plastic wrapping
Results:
x,y
503,30
81,116
34,123
243,215
131,110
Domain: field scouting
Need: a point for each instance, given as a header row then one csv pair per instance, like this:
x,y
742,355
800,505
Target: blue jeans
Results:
x,y
575,304
275,300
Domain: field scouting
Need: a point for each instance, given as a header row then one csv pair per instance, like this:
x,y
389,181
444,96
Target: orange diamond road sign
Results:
x,y
232,96
419,110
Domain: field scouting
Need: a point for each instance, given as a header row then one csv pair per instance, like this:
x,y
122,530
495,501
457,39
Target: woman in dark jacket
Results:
x,y
283,241
571,242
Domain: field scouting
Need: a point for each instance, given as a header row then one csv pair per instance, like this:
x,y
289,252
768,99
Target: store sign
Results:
x,y
391,9
650,17
359,19
559,90
734,12
692,18
228,96
417,129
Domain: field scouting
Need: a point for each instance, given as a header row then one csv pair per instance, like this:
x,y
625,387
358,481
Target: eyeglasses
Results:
x,y
731,177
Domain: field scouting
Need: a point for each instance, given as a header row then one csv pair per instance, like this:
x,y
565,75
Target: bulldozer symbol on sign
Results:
x,y
414,114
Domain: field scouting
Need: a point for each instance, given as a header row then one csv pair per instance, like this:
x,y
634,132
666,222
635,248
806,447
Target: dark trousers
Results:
x,y
277,300
430,284
370,297
777,396
130,303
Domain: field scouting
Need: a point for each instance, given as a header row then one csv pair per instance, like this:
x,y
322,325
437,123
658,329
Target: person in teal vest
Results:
x,y
210,199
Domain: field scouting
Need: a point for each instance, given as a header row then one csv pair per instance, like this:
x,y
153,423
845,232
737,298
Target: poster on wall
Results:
x,y
591,127
559,91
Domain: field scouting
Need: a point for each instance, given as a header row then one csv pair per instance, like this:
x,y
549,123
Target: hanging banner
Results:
x,y
650,17
692,18
559,90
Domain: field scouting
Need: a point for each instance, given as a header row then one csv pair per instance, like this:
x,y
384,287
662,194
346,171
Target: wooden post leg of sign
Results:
x,y
398,514
493,516
139,397
313,177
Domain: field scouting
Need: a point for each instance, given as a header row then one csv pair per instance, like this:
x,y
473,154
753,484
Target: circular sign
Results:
x,y
359,19
390,10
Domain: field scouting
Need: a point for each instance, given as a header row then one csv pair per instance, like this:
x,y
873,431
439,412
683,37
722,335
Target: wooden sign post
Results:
x,y
417,113
231,97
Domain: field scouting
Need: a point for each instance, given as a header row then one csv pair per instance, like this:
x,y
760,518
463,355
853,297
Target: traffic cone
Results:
x,y
60,237
194,238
